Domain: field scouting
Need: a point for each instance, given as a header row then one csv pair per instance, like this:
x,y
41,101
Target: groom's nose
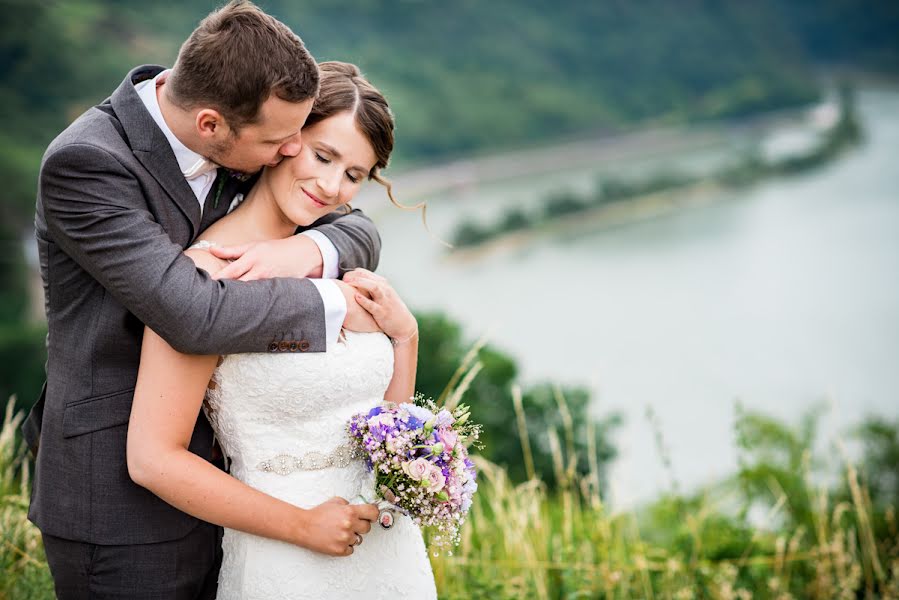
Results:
x,y
291,147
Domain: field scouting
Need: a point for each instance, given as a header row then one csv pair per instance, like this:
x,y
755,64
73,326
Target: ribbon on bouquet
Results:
x,y
387,506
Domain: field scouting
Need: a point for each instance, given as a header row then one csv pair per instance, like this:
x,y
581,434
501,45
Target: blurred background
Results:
x,y
675,223
668,209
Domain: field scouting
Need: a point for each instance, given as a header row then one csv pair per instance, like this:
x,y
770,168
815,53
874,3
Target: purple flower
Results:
x,y
420,413
444,418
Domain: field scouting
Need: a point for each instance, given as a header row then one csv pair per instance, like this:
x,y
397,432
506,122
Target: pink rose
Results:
x,y
449,439
416,469
435,479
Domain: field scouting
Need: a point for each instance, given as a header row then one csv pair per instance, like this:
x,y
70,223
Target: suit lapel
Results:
x,y
150,146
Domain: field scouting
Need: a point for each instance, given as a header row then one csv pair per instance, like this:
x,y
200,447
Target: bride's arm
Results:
x,y
167,401
395,320
405,363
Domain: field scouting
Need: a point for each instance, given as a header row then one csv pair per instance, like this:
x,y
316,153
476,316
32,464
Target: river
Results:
x,y
780,296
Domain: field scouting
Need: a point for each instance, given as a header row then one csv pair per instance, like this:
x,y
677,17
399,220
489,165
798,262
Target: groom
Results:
x,y
122,192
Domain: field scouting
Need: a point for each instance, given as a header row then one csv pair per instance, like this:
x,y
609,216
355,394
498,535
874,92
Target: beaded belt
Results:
x,y
285,464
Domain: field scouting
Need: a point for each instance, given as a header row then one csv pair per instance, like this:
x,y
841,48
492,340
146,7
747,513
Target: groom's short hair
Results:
x,y
236,58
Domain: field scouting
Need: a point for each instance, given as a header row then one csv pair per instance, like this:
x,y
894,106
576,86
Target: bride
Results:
x,y
280,418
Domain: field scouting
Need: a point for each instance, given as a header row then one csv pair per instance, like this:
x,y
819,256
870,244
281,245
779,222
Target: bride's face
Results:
x,y
335,160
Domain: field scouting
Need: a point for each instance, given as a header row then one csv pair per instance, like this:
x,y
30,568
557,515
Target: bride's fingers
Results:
x,y
367,512
360,273
380,290
370,305
365,284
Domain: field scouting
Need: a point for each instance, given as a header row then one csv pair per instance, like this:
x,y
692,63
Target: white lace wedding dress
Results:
x,y
279,418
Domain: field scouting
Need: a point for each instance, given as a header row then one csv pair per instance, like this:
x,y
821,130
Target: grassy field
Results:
x,y
528,541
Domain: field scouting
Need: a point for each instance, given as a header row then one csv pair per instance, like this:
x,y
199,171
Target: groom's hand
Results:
x,y
333,526
295,256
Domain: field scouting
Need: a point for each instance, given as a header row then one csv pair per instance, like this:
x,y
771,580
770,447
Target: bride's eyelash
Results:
x,y
326,161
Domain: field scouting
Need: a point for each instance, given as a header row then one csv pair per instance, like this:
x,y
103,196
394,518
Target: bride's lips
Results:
x,y
315,200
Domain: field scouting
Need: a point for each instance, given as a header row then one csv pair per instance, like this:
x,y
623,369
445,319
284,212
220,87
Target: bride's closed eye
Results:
x,y
327,161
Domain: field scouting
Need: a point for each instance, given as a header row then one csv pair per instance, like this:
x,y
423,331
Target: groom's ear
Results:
x,y
211,124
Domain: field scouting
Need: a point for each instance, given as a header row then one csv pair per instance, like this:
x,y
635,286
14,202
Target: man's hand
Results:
x,y
296,256
357,318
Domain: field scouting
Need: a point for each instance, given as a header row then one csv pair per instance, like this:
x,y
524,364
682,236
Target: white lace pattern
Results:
x,y
268,405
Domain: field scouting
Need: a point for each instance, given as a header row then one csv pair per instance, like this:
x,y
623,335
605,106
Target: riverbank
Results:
x,y
806,143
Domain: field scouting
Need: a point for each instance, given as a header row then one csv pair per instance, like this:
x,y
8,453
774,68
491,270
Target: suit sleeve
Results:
x,y
95,209
355,237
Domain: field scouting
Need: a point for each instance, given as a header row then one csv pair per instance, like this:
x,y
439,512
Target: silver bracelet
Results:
x,y
397,342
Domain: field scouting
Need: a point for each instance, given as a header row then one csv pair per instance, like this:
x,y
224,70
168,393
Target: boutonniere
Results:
x,y
220,185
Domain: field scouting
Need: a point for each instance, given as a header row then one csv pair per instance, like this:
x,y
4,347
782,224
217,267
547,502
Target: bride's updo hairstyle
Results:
x,y
342,88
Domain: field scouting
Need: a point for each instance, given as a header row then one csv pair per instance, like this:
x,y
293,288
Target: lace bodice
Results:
x,y
267,405
263,405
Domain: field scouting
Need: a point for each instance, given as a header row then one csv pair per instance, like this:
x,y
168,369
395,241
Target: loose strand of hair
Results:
x,y
423,205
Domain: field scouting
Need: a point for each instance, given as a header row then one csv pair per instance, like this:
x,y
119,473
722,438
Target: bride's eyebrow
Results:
x,y
333,152
330,150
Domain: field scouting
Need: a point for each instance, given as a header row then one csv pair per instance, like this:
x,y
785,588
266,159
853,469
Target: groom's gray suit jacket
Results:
x,y
113,216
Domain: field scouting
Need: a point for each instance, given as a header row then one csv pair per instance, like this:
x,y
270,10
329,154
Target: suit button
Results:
x,y
273,347
304,345
293,346
283,346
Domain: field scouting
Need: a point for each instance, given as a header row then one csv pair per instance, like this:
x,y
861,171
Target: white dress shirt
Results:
x,y
200,174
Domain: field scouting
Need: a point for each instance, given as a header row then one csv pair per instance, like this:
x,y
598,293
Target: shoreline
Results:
x,y
425,182
615,214
829,128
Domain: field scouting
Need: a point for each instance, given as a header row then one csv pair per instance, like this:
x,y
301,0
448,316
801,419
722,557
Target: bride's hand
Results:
x,y
357,318
335,527
379,298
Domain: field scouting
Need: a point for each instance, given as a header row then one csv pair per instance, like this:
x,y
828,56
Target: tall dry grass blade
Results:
x,y
555,448
462,368
457,393
595,494
567,421
870,555
521,421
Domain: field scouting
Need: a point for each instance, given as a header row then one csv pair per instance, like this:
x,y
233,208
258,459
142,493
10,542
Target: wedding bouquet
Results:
x,y
418,453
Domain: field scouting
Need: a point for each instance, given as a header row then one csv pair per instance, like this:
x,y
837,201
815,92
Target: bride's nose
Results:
x,y
329,182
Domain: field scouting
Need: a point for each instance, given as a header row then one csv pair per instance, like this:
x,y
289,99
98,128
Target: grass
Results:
x,y
527,541
524,540
25,574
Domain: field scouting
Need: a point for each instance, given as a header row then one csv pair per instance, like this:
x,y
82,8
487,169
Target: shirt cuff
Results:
x,y
330,257
335,309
